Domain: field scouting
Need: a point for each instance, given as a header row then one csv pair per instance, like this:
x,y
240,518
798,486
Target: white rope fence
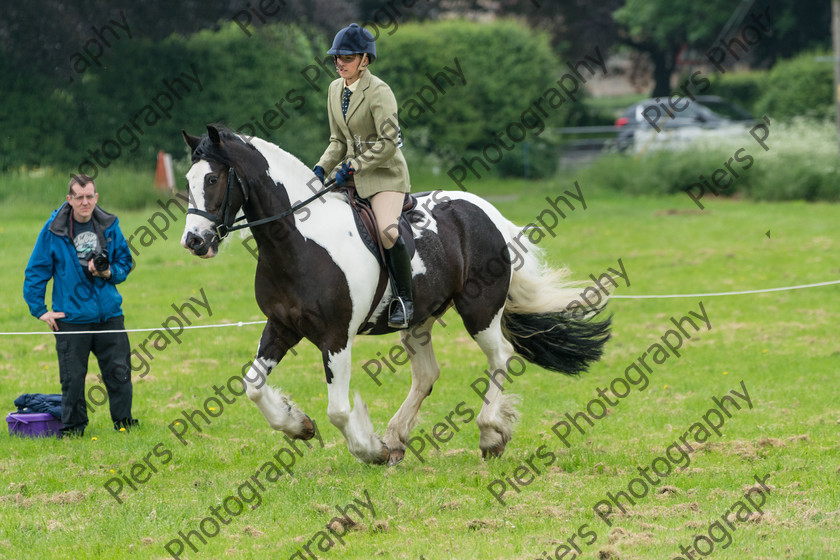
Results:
x,y
242,324
239,324
786,288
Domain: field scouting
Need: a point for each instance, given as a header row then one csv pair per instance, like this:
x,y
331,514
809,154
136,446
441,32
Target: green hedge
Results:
x,y
504,66
35,121
743,88
248,82
798,87
507,67
211,77
123,106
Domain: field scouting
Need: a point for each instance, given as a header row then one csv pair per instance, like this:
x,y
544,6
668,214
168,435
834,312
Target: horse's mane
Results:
x,y
219,152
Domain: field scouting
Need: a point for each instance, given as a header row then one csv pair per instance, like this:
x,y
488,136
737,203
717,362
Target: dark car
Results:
x,y
657,123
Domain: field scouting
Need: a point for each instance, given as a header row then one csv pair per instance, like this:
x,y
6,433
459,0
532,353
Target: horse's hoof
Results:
x,y
493,452
308,431
396,457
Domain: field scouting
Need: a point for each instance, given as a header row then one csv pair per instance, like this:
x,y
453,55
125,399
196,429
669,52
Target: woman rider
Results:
x,y
364,140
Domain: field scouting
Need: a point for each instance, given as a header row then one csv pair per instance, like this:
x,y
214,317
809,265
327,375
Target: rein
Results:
x,y
225,220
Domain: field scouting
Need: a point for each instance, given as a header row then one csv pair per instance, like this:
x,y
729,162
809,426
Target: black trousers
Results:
x,y
113,353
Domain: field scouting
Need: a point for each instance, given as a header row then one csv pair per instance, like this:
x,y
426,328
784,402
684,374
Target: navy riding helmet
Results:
x,y
354,40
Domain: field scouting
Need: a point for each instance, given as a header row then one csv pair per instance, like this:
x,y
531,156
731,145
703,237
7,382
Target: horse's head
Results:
x,y
216,194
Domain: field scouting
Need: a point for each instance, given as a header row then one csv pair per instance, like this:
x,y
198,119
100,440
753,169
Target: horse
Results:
x,y
316,280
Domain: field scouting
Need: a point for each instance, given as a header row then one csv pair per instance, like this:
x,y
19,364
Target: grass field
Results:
x,y
782,346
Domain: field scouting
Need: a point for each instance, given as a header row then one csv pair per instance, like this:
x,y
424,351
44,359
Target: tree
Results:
x,y
42,36
798,25
573,25
660,28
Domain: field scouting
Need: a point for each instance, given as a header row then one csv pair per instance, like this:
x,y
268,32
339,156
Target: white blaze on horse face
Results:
x,y
196,224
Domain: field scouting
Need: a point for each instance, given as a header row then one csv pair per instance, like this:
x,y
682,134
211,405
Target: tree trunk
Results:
x,y
663,67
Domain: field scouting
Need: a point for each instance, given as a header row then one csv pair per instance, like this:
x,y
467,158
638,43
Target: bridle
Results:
x,y
224,221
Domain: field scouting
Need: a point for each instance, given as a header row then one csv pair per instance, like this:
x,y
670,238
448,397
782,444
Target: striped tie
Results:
x,y
345,102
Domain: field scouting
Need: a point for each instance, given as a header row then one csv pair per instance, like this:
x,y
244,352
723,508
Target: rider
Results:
x,y
364,139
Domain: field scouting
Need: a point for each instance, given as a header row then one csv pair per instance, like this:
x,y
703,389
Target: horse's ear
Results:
x,y
213,132
192,141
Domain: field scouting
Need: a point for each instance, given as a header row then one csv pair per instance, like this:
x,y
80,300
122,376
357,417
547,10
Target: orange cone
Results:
x,y
164,177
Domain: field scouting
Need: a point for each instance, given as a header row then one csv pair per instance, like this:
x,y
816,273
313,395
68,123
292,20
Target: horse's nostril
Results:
x,y
197,244
194,241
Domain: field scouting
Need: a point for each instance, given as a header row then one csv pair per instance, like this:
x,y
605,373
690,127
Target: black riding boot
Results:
x,y
401,308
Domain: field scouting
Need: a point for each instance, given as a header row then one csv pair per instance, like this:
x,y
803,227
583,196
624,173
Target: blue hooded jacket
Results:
x,y
81,298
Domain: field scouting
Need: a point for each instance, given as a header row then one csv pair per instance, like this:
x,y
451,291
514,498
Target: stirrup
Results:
x,y
394,310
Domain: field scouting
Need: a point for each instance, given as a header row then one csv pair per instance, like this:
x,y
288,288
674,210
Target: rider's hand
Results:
x,y
319,172
344,174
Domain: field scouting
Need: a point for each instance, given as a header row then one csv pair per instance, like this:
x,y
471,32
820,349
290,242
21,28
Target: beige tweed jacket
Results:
x,y
367,138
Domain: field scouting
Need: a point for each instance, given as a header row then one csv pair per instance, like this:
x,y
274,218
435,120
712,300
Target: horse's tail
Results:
x,y
537,318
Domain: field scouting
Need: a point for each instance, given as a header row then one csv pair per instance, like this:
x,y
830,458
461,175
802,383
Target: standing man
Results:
x,y
83,250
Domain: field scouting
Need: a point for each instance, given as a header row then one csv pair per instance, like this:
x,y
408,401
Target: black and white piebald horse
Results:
x,y
315,279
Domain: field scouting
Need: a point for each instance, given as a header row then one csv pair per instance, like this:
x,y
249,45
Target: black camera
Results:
x,y
100,260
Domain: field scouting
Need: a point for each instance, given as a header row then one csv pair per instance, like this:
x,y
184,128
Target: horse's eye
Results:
x,y
212,179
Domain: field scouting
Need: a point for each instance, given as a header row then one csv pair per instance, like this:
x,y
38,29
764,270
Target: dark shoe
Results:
x,y
400,313
71,432
401,308
127,424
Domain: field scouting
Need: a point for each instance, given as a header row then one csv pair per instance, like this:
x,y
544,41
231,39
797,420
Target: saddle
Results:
x,y
369,233
366,222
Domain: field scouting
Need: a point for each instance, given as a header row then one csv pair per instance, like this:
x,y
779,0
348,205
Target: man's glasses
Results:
x,y
88,197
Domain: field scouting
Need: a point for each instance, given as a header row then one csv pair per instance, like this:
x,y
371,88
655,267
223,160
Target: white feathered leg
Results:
x,y
424,372
354,424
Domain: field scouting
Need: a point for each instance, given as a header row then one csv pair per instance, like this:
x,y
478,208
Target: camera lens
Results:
x,y
100,262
